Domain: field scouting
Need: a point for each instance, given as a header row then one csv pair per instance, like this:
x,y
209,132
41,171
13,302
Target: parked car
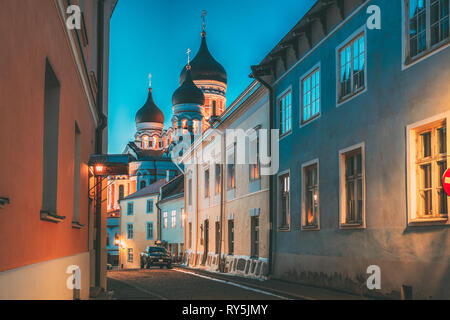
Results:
x,y
156,256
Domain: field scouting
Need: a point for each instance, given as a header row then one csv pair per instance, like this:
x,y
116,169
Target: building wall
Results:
x,y
27,242
139,220
238,204
396,97
172,235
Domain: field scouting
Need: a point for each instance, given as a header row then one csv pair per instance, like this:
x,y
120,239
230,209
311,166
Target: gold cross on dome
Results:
x,y
189,56
204,19
150,80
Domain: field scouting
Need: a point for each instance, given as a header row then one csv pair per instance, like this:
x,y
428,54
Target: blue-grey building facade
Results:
x,y
361,97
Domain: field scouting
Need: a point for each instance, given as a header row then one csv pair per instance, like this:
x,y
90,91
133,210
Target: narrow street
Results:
x,y
179,284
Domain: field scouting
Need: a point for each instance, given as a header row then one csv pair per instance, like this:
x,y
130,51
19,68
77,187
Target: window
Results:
x,y
254,236
310,214
217,173
255,171
352,187
352,66
284,201
430,166
285,109
121,192
130,254
231,169
230,237
174,219
150,206
130,209
190,235
145,142
130,230
190,192
217,237
165,220
51,136
427,25
149,230
310,96
76,175
143,184
207,183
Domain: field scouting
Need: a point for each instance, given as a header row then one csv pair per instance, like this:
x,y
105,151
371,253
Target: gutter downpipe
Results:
x,y
271,179
99,134
222,207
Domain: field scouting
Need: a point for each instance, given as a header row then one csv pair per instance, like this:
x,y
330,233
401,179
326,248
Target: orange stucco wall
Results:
x,y
30,32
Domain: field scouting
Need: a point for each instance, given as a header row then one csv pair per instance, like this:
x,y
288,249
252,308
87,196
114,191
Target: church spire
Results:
x,y
204,23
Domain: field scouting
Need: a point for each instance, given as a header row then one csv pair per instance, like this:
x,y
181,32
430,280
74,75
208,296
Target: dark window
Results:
x,y
255,236
149,230
76,175
50,147
230,237
130,209
284,201
190,235
218,185
143,184
217,237
190,192
149,206
130,231
121,192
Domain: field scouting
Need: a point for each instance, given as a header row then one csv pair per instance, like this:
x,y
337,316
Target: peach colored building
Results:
x,y
53,106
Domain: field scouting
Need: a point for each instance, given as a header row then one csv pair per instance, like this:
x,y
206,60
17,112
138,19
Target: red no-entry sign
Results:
x,y
446,182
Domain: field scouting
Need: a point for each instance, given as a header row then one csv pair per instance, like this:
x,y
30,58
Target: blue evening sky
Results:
x,y
152,36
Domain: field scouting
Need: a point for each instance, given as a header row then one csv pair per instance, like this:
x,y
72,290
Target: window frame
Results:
x,y
130,204
130,253
343,224
207,182
255,168
165,220
413,131
305,166
279,194
130,235
149,223
362,31
430,50
173,219
152,206
286,92
307,75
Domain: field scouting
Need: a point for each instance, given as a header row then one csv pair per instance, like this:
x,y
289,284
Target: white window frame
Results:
x,y
303,168
173,219
411,129
340,101
165,219
342,188
308,74
281,174
407,61
130,253
280,96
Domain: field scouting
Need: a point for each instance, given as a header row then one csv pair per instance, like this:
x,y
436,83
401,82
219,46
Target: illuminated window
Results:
x,y
218,185
183,217
255,171
352,181
352,66
311,96
184,126
155,142
145,142
430,165
207,183
310,213
165,220
231,169
427,25
195,126
173,219
285,110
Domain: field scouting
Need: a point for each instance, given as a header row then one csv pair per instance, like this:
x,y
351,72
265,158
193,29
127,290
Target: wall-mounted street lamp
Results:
x,y
3,202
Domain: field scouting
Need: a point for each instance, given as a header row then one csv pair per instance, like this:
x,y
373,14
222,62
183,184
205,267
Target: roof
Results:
x,y
147,191
188,92
150,111
148,154
204,66
173,189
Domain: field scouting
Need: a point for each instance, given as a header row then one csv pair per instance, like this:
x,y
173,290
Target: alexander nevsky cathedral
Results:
x,y
198,100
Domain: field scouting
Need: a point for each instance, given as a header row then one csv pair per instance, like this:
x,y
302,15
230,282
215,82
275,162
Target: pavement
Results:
x,y
181,283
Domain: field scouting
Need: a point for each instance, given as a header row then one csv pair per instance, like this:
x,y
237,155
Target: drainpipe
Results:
x,y
272,202
99,134
222,203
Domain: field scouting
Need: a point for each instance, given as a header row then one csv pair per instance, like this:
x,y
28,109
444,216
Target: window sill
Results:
x,y
77,225
309,121
51,217
284,229
311,228
350,96
423,55
428,222
352,226
286,134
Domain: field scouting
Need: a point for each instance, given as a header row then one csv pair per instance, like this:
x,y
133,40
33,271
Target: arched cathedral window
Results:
x,y
143,184
145,143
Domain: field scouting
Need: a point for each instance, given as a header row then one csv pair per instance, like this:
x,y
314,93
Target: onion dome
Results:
x,y
204,66
188,92
150,111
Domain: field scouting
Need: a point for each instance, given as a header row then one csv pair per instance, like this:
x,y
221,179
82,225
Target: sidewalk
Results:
x,y
283,288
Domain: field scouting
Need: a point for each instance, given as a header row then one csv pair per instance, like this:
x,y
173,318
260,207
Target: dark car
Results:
x,y
156,256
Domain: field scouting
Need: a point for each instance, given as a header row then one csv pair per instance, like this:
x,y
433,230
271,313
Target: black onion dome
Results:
x,y
150,111
188,92
204,66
